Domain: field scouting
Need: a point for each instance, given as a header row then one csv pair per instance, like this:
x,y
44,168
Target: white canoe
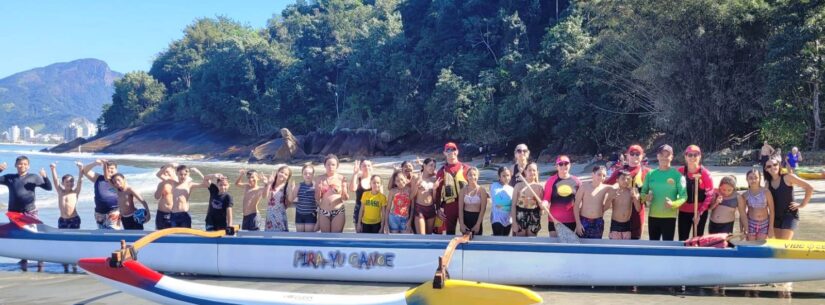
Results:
x,y
412,258
138,280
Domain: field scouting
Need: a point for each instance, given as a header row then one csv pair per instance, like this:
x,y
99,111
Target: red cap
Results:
x,y
450,145
635,148
693,149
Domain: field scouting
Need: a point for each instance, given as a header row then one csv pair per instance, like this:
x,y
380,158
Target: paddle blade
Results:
x,y
565,234
468,292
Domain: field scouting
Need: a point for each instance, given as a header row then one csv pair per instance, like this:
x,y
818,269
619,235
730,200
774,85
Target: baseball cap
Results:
x,y
693,149
450,145
635,148
665,147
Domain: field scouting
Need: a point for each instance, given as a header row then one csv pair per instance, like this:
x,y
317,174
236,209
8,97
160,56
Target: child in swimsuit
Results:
x,y
589,205
276,198
623,200
758,212
472,202
525,209
399,214
723,206
501,194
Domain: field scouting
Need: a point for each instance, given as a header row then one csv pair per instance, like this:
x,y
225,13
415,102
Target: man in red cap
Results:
x,y
635,154
450,179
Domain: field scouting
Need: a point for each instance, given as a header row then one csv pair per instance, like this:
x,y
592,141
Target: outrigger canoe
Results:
x,y
811,175
123,272
408,258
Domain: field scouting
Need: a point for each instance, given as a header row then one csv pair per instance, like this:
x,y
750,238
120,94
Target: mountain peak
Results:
x,y
49,98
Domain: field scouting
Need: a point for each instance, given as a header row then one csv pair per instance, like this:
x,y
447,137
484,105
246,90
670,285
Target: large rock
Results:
x,y
345,142
283,149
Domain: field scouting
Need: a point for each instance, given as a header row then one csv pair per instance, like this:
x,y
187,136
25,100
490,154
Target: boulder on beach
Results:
x,y
282,149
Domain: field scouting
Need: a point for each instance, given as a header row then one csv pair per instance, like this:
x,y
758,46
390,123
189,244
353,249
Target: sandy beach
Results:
x,y
53,287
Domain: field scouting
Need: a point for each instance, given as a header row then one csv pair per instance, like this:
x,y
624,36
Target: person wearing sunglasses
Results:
x,y
560,193
450,179
693,166
521,157
786,218
638,171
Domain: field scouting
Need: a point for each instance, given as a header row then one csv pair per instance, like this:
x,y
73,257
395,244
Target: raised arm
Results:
x,y
79,184
238,182
44,182
87,170
58,187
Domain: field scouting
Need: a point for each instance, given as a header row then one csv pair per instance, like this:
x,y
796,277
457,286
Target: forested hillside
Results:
x,y
578,76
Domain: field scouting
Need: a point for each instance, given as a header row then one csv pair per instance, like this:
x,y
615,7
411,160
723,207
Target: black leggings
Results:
x,y
500,230
661,228
686,224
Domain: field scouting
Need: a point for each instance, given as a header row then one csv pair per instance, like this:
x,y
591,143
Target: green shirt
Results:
x,y
665,184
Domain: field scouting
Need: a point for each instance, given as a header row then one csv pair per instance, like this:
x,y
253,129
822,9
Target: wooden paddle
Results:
x,y
441,273
565,234
695,203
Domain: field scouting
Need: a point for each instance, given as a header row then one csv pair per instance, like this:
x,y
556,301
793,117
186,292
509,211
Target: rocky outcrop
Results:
x,y
346,142
282,149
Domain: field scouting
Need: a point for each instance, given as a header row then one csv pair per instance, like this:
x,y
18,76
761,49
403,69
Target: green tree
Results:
x,y
136,96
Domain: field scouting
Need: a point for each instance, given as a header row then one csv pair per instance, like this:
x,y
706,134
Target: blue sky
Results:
x,y
125,34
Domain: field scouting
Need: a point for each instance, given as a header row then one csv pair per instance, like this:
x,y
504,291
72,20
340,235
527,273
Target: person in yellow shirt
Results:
x,y
372,213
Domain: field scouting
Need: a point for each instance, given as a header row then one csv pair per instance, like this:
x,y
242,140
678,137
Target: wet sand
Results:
x,y
53,287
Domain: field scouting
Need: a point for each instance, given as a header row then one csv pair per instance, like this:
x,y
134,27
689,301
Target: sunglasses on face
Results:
x,y
521,151
563,163
692,155
449,150
635,154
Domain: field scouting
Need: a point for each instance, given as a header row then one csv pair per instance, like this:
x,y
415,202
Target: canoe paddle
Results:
x,y
695,203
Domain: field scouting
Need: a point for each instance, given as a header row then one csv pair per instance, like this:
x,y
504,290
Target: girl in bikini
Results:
x,y
723,206
472,201
756,210
422,190
331,191
525,208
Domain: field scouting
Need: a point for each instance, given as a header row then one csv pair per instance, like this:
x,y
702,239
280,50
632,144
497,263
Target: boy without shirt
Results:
x,y
181,190
163,194
67,194
622,200
251,197
126,204
590,205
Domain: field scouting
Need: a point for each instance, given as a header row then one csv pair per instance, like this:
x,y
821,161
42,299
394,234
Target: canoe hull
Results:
x,y
412,259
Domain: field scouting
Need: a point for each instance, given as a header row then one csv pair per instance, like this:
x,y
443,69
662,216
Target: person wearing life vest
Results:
x,y
450,179
638,171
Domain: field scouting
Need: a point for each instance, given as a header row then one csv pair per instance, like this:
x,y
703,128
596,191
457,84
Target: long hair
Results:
x,y
286,183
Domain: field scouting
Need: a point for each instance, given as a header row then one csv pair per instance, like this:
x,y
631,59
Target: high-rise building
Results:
x,y
89,129
14,134
4,136
28,134
72,132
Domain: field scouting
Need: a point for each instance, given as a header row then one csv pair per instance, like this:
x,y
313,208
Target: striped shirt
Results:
x,y
306,199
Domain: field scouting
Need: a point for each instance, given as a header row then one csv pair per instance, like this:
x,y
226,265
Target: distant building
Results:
x,y
89,129
72,132
4,136
14,134
28,134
